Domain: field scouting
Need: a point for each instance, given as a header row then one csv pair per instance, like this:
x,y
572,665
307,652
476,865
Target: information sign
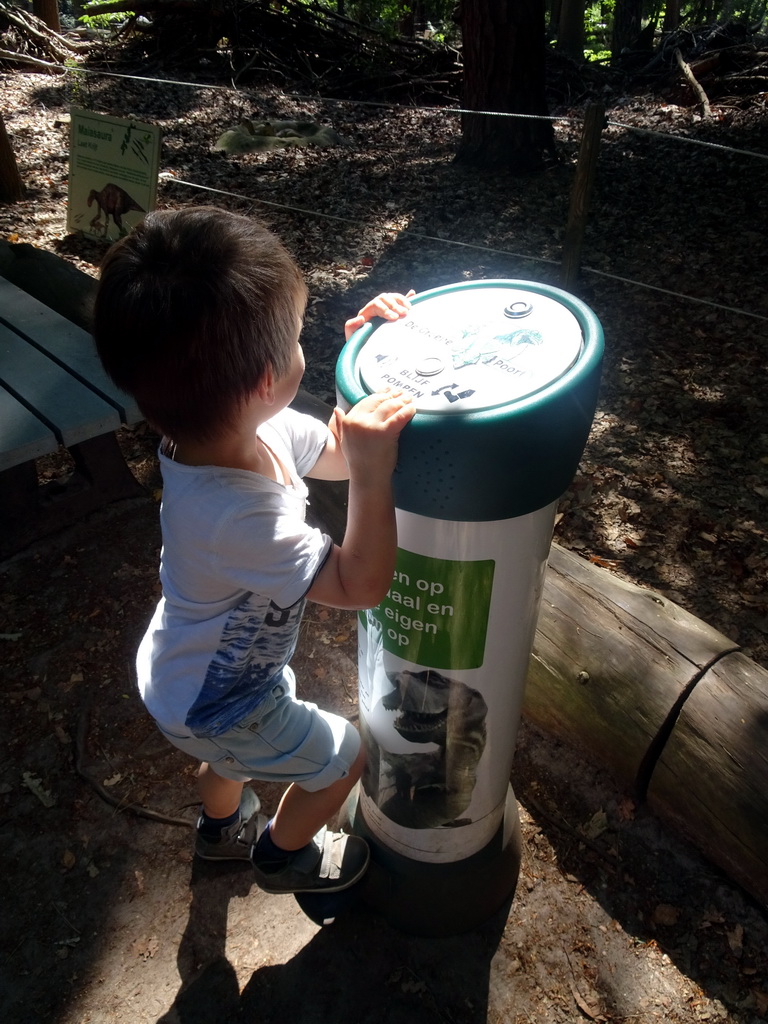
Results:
x,y
113,168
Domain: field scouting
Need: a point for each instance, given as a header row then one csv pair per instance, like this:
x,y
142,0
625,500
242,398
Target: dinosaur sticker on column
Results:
x,y
425,738
424,704
113,167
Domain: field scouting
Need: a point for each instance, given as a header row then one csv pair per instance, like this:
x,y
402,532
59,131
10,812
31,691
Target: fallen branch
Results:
x,y
692,81
24,58
28,40
38,27
296,42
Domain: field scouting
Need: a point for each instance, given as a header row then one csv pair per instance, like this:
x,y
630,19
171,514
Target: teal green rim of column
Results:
x,y
504,461
351,388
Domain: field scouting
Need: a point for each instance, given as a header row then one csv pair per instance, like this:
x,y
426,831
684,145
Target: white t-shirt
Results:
x,y
237,562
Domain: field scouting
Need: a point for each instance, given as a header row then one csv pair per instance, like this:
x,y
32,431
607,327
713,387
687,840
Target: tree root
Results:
x,y
137,809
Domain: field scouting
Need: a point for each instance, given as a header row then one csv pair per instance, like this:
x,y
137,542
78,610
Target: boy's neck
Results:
x,y
239,448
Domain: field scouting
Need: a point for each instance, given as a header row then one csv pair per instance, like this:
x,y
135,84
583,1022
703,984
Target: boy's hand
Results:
x,y
388,305
358,573
368,433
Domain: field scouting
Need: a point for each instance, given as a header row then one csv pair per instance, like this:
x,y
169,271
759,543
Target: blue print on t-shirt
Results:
x,y
257,642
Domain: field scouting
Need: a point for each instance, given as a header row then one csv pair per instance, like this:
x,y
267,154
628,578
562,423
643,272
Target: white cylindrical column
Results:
x,y
504,375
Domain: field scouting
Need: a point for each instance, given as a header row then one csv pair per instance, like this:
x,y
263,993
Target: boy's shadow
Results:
x,y
209,987
358,969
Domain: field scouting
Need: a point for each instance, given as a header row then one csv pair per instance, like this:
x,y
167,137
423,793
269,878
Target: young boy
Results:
x,y
198,315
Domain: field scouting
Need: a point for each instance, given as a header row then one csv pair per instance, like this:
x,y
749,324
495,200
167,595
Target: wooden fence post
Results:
x,y
586,168
11,186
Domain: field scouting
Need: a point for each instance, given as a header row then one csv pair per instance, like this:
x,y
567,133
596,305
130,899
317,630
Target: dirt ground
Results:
x,y
107,916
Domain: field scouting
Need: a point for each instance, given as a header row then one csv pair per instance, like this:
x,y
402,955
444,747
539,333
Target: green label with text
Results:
x,y
436,611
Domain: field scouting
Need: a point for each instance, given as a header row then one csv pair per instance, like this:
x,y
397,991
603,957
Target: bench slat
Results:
x,y
65,342
72,410
24,436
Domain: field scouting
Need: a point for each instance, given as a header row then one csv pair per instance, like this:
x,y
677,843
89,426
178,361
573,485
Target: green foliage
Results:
x,y
598,18
385,15
702,12
77,81
393,17
92,19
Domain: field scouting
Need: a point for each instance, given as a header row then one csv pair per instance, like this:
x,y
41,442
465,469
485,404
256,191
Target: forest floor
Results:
x,y
107,917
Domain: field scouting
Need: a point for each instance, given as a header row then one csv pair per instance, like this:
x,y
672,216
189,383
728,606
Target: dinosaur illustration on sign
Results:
x,y
114,202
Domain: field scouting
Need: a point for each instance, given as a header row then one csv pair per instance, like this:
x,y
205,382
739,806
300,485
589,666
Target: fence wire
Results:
x,y
421,236
449,111
443,111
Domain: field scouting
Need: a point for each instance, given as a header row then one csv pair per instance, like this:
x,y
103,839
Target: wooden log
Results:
x,y
611,664
711,779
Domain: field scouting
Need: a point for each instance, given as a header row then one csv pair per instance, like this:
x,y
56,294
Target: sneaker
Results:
x,y
237,840
331,862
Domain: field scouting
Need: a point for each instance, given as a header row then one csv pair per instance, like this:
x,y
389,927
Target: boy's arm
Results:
x,y
331,464
358,573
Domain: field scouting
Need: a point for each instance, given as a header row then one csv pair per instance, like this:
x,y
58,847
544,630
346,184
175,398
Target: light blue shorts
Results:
x,y
284,740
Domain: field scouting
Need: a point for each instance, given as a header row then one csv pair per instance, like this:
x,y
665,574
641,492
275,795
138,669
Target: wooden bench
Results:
x,y
54,392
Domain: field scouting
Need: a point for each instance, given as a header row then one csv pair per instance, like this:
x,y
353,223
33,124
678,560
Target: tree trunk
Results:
x,y
704,13
671,16
11,186
554,8
407,20
47,11
570,34
627,21
504,70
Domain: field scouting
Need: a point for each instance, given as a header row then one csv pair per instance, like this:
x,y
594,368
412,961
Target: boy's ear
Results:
x,y
266,387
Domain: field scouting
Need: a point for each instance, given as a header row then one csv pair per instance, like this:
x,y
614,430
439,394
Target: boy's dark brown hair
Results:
x,y
192,309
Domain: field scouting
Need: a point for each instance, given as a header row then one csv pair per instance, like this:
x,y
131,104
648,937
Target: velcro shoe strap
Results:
x,y
333,854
